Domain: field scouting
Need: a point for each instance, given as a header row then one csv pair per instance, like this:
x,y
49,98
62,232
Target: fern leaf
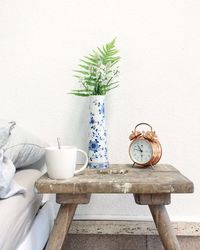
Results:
x,y
102,53
97,80
84,66
82,72
92,59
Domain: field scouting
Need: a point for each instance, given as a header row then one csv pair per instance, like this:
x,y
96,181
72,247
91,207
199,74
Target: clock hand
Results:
x,y
140,148
137,149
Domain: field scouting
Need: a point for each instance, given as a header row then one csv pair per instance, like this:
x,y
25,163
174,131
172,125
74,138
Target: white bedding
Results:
x,y
17,213
41,228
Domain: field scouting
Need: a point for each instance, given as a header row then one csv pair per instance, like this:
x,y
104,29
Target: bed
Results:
x,y
26,219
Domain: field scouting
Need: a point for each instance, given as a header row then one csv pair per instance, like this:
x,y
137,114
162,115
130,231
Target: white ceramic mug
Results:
x,y
61,163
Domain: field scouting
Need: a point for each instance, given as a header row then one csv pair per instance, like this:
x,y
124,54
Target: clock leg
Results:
x,y
152,167
133,165
164,227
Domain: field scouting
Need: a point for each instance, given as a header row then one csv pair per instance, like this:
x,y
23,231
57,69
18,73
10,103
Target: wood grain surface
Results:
x,y
163,178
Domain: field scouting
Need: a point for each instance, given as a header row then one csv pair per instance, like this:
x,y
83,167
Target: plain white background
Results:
x,y
41,43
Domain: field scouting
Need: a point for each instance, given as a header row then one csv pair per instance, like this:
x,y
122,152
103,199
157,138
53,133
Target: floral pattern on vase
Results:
x,y
98,154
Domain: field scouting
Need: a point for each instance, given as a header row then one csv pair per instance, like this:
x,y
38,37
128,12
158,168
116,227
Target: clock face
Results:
x,y
141,151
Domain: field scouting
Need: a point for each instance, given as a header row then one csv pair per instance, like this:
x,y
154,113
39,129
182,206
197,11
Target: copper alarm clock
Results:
x,y
145,148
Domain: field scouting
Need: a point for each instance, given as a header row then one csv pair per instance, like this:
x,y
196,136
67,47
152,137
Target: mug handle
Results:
x,y
86,163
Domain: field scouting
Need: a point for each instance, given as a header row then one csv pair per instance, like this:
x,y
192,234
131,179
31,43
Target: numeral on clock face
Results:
x,y
141,151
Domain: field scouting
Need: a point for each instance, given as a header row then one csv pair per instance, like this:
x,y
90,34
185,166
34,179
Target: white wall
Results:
x,y
41,42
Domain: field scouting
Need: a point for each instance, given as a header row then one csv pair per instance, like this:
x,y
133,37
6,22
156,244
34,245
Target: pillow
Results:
x,y
23,148
8,187
5,131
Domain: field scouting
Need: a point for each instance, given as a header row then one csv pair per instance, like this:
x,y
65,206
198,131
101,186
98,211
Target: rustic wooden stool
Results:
x,y
150,186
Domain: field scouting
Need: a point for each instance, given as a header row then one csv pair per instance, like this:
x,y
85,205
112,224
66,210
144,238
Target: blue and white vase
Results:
x,y
98,154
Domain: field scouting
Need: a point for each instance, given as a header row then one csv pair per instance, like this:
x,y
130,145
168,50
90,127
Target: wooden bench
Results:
x,y
150,186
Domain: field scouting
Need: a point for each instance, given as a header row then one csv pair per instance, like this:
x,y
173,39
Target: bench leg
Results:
x,y
164,227
61,226
68,202
156,203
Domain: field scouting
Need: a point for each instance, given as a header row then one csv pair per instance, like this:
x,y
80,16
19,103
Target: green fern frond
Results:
x,y
98,71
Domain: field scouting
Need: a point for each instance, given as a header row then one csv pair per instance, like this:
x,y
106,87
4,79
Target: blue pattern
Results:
x,y
98,153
